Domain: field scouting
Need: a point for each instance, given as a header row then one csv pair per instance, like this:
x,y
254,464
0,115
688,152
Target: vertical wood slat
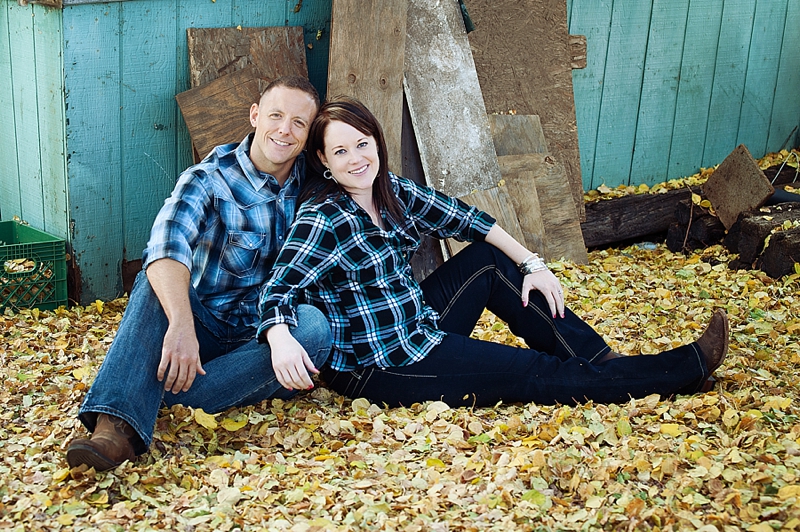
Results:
x,y
729,80
762,73
93,131
594,21
694,88
10,196
370,73
52,142
786,106
622,87
659,91
26,113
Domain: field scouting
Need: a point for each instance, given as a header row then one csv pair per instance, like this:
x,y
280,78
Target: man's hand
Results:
x,y
290,361
180,358
548,284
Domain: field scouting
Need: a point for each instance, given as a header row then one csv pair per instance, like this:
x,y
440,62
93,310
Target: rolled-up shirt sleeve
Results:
x,y
311,250
441,215
180,221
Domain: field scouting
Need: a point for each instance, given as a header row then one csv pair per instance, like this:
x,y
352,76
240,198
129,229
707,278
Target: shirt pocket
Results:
x,y
241,252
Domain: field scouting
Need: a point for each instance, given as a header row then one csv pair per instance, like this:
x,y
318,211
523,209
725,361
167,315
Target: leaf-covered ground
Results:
x,y
725,460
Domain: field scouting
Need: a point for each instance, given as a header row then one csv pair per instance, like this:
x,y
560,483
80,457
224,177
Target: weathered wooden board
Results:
x,y
445,100
218,112
496,201
736,186
522,55
373,74
273,51
517,134
782,255
541,173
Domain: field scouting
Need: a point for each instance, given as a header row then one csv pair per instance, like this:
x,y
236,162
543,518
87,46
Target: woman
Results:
x,y
396,341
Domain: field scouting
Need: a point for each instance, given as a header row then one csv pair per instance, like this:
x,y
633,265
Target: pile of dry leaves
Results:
x,y
725,460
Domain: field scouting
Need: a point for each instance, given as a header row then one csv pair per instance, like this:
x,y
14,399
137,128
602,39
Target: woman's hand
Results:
x,y
290,361
545,282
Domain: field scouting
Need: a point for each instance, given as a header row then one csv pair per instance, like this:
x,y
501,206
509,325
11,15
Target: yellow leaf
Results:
x,y
671,429
705,203
696,199
80,373
624,427
207,420
787,492
235,423
61,474
99,306
65,519
434,462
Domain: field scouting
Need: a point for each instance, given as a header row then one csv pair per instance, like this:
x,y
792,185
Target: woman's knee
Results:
x,y
314,333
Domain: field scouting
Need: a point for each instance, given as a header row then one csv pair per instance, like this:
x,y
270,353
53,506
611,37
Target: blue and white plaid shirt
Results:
x,y
226,221
359,274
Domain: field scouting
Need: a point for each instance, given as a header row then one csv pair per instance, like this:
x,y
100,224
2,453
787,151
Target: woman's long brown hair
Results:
x,y
354,113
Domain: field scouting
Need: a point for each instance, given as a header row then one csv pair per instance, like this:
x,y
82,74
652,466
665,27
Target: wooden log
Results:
x,y
781,254
679,238
370,73
755,226
629,217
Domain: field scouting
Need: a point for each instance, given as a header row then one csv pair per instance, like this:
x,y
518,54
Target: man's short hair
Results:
x,y
294,82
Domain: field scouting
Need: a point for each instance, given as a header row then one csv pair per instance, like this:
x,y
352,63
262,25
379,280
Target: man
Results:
x,y
189,328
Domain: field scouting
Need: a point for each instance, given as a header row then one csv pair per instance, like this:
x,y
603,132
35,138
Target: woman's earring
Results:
x,y
327,174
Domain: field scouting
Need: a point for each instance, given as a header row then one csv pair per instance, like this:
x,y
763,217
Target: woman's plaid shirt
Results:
x,y
360,276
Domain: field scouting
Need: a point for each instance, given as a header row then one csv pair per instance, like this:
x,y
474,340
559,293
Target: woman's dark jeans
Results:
x,y
561,365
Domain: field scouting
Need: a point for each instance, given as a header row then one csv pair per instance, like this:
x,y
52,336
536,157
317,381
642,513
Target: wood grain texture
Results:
x,y
370,73
497,202
517,134
736,186
694,88
659,91
445,100
10,196
523,59
273,52
218,112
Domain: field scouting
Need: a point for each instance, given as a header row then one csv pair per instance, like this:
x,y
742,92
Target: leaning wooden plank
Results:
x,y
273,51
539,175
497,202
517,134
359,68
445,100
522,55
737,185
218,112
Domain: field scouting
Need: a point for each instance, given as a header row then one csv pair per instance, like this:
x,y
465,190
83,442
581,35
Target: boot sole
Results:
x,y
79,454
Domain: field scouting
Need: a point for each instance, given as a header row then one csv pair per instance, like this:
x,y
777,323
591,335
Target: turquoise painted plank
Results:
x,y
694,87
26,112
10,197
592,19
729,80
267,13
48,43
659,91
762,72
786,105
622,87
148,44
315,17
93,87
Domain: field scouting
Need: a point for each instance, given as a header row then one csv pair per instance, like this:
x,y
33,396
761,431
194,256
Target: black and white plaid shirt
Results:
x,y
359,274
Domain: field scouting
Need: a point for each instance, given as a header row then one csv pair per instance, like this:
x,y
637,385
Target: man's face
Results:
x,y
282,119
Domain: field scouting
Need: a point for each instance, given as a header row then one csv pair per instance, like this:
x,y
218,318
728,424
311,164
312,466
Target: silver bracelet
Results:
x,y
534,263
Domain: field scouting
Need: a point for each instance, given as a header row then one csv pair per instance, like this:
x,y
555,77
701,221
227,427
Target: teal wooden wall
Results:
x,y
675,85
92,140
33,183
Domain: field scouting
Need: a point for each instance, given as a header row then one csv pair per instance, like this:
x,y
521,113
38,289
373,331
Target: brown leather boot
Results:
x,y
714,341
109,446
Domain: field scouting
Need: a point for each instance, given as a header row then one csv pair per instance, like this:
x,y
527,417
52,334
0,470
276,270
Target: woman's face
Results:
x,y
351,156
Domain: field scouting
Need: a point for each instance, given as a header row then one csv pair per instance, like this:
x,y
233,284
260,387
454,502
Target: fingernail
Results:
x,y
310,387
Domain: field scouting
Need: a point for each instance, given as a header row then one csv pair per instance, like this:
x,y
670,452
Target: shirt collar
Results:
x,y
259,179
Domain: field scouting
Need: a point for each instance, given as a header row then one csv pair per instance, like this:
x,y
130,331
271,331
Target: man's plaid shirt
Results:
x,y
226,221
360,276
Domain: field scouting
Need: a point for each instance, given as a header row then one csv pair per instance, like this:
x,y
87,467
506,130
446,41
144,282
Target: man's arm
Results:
x,y
180,356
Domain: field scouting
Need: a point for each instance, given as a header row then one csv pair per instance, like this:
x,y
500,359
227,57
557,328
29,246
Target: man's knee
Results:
x,y
314,333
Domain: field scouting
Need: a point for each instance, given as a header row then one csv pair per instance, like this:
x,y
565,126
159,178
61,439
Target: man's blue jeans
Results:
x,y
561,365
238,369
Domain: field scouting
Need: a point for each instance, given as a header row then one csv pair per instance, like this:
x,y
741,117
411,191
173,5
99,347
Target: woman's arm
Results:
x,y
541,280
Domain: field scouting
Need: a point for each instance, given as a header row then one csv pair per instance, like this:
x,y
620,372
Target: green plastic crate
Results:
x,y
33,268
